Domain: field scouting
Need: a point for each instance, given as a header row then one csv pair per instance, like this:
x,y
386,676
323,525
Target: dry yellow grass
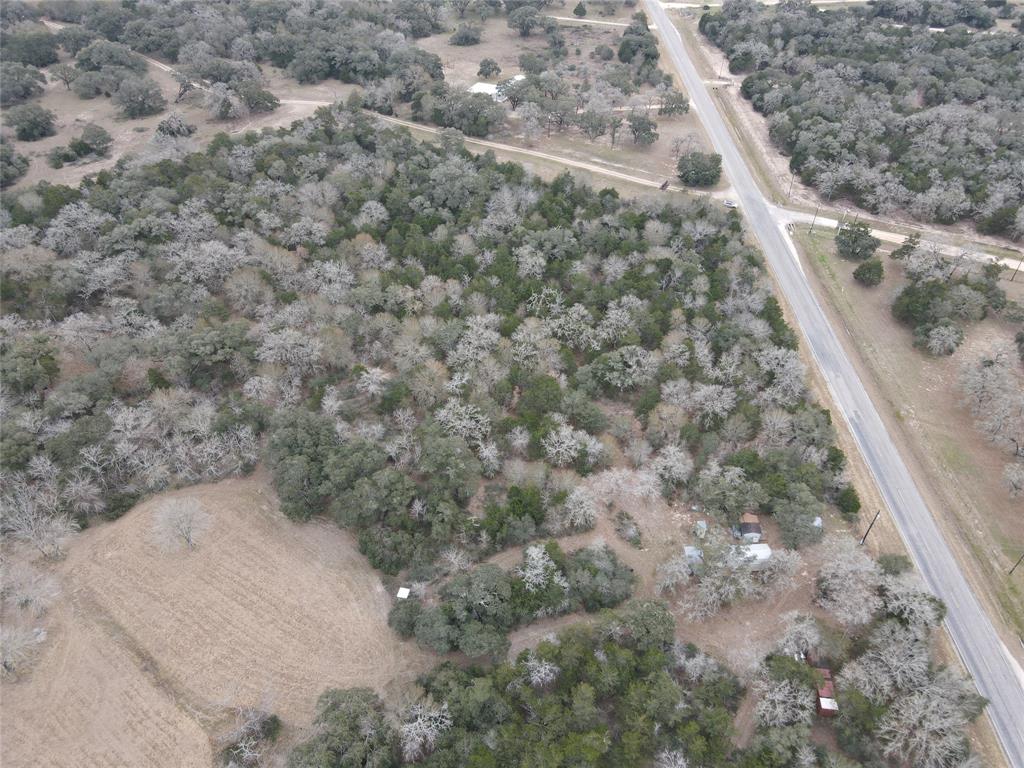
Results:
x,y
148,649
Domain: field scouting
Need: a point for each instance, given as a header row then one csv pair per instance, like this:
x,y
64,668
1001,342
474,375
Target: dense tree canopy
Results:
x,y
616,694
894,117
408,323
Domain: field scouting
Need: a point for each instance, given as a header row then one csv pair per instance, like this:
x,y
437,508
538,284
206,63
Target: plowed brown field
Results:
x,y
148,650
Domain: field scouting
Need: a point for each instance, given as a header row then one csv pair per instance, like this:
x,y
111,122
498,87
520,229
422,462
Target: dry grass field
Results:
x,y
149,649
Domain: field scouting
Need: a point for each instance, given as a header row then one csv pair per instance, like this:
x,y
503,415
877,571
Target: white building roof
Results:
x,y
758,552
491,89
403,593
828,704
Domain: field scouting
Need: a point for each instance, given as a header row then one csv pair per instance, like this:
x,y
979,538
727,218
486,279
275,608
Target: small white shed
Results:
x,y
491,89
758,554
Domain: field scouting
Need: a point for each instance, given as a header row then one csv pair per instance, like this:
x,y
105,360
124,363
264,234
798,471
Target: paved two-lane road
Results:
x,y
995,672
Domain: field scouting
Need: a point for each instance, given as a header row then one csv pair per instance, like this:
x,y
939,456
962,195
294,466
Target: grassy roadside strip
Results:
x,y
547,167
750,151
816,251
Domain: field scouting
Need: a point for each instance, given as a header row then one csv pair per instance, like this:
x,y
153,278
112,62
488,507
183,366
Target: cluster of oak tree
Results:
x,y
895,116
602,98
944,292
405,322
219,50
26,47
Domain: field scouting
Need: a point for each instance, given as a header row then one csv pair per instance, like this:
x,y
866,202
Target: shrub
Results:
x,y
31,122
848,502
894,565
58,156
466,34
488,68
870,273
403,615
94,140
175,125
12,165
699,169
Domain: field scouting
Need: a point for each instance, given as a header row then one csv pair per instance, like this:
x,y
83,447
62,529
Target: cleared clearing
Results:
x,y
149,649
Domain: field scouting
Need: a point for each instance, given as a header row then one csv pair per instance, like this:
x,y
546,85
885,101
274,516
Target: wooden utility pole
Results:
x,y
1021,558
865,536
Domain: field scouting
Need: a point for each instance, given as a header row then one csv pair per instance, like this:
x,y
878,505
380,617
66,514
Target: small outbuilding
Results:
x,y
750,528
759,555
403,593
491,89
827,704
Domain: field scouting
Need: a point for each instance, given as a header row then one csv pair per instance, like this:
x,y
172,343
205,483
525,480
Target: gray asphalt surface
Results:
x,y
995,672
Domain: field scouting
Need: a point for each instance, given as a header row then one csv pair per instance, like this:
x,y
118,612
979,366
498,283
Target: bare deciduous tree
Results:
x,y
848,582
540,672
245,743
673,573
671,759
897,659
17,644
800,635
424,726
579,512
29,588
906,598
180,521
456,560
994,390
33,513
927,726
673,465
783,702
